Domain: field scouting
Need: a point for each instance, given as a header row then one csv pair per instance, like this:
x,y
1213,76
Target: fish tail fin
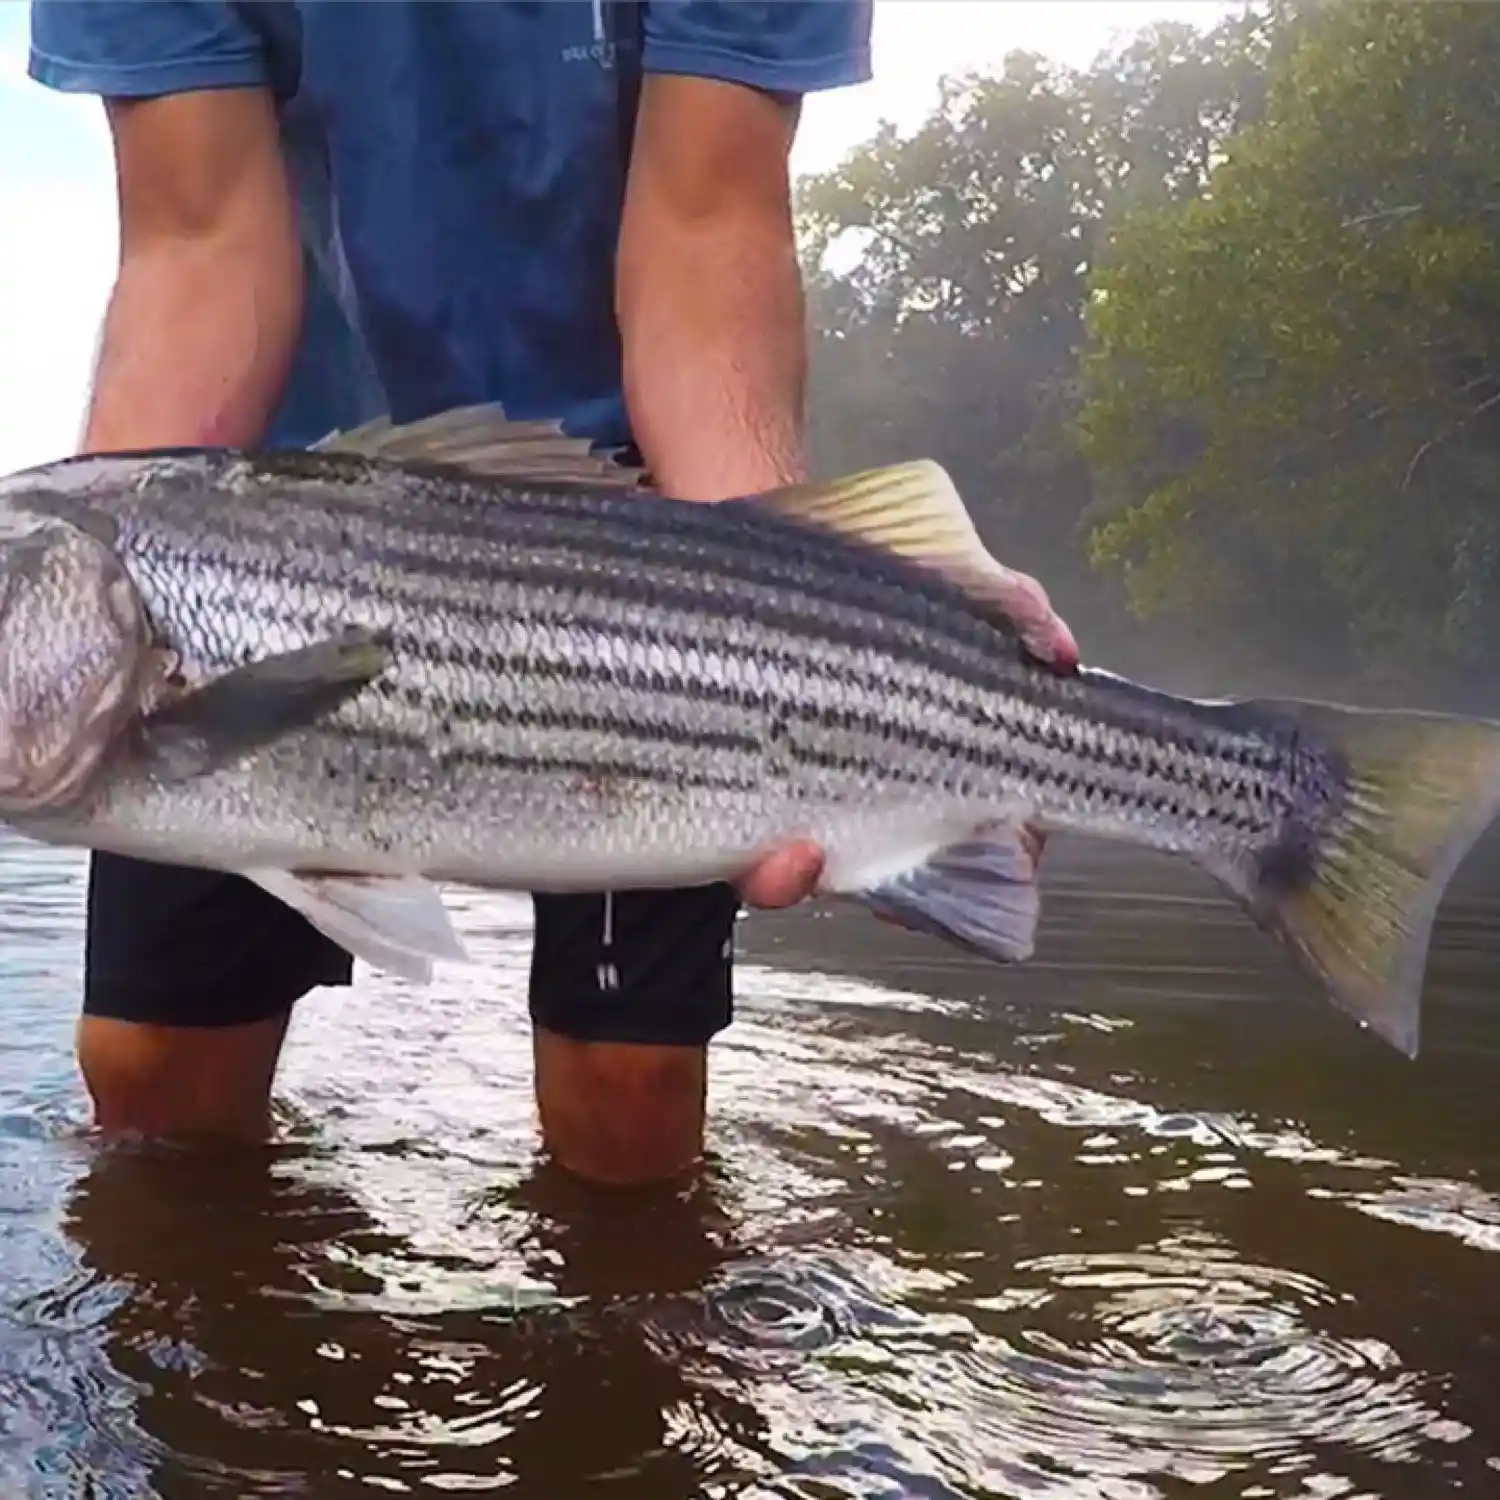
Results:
x,y
1420,789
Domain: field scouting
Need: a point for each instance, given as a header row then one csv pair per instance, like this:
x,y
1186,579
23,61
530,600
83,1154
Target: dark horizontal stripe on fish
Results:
x,y
473,649
907,642
524,716
701,779
609,527
658,731
1129,755
686,690
749,548
749,555
443,653
1043,776
1023,764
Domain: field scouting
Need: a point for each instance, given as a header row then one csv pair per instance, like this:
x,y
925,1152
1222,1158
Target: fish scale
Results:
x,y
582,685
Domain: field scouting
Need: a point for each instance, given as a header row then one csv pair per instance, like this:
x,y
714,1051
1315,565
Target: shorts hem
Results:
x,y
582,1022
206,1009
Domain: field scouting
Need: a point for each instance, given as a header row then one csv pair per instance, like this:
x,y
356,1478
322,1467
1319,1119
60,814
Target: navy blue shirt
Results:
x,y
459,166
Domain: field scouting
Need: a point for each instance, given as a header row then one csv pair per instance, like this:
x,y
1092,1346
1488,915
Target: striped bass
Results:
x,y
469,650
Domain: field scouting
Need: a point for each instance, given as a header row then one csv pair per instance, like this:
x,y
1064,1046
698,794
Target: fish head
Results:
x,y
76,659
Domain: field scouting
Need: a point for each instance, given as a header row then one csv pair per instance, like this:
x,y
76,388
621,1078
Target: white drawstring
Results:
x,y
608,975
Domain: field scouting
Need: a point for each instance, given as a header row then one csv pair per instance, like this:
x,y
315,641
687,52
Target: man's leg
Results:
x,y
190,979
626,992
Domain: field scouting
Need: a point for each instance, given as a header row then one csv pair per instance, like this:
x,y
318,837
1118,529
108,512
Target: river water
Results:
x,y
1144,1219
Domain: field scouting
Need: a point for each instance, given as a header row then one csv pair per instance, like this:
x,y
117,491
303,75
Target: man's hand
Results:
x,y
1043,631
783,878
791,874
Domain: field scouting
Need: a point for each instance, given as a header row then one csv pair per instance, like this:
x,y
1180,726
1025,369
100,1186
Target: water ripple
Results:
x,y
1183,1361
1459,1209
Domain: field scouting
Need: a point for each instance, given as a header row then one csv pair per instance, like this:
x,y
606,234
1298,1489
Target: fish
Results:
x,y
477,651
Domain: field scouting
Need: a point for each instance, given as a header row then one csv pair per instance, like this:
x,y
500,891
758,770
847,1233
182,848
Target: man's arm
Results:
x,y
709,296
203,321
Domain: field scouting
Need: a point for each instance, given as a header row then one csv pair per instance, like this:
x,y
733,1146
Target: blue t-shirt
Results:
x,y
460,169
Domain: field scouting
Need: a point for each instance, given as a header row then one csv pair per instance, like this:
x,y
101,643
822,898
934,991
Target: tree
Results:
x,y
1293,395
956,330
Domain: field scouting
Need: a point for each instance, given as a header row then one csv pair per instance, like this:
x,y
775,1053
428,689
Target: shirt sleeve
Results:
x,y
782,46
141,48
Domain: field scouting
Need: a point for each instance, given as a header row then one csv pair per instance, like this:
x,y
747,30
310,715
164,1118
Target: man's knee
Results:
x,y
172,1080
620,1113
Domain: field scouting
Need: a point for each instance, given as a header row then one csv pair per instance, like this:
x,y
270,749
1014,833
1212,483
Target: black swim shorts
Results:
x,y
176,947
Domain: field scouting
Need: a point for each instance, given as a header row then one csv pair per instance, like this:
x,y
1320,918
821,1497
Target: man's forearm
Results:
x,y
197,342
715,343
709,293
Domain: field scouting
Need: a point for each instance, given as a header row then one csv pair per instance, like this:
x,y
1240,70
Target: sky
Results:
x,y
57,249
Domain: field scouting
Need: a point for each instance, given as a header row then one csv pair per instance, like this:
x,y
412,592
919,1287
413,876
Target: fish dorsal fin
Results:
x,y
914,511
482,440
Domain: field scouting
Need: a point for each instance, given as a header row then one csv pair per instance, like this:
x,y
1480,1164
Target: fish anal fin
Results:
x,y
979,894
397,924
482,441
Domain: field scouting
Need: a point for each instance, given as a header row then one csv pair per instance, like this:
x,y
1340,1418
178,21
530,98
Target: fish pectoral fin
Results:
x,y
397,924
980,894
914,511
482,440
254,705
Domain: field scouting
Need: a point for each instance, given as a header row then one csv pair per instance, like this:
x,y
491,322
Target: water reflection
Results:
x,y
963,1234
279,1341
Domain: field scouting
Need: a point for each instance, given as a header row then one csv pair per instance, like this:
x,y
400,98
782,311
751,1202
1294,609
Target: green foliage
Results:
x,y
956,327
1293,391
1206,332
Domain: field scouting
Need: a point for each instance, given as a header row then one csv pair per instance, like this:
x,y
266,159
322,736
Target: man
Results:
x,y
579,208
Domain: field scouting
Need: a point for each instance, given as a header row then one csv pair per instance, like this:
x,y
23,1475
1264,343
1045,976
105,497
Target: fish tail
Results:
x,y
1418,791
